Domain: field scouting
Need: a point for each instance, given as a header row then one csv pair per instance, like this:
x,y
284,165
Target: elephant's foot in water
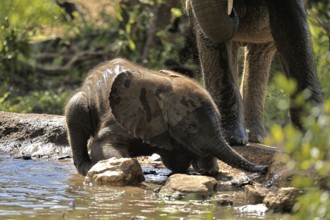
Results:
x,y
206,165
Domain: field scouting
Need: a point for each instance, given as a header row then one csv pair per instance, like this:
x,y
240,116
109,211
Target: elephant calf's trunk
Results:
x,y
232,158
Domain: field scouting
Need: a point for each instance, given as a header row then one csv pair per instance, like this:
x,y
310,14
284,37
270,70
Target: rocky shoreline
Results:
x,y
42,136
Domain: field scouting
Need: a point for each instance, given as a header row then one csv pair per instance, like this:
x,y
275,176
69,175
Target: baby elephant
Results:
x,y
124,110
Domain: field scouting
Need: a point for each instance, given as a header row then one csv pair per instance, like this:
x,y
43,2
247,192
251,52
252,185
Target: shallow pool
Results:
x,y
53,190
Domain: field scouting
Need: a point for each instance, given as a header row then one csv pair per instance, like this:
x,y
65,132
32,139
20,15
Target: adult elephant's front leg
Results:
x,y
219,81
290,31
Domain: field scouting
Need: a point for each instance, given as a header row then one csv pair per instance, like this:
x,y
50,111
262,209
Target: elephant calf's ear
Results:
x,y
134,105
170,73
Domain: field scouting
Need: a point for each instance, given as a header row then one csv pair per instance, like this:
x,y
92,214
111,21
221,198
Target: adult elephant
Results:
x,y
264,27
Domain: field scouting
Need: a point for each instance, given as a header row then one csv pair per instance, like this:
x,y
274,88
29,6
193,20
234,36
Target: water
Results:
x,y
33,189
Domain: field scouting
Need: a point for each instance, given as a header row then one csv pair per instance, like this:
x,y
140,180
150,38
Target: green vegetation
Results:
x,y
43,57
309,152
308,158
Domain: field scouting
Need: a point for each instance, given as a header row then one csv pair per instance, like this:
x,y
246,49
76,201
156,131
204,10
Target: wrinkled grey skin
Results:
x,y
264,27
124,110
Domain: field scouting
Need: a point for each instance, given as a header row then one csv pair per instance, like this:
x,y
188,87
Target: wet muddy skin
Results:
x,y
35,189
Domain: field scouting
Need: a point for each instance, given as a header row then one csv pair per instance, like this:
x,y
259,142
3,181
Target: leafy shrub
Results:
x,y
308,155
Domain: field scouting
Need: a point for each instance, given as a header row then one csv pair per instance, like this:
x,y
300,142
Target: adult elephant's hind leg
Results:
x,y
258,59
290,31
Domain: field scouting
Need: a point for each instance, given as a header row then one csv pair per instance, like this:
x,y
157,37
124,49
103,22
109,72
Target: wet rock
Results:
x,y
156,175
38,135
154,157
223,200
115,172
255,193
155,160
278,174
283,200
259,209
186,187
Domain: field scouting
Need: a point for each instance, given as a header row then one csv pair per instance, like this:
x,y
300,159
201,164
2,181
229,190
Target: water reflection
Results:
x,y
53,190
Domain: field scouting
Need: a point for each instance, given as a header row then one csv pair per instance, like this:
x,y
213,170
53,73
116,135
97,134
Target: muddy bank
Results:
x,y
44,135
37,135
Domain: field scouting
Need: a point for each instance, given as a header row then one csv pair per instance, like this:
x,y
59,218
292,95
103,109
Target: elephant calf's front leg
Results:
x,y
206,165
178,161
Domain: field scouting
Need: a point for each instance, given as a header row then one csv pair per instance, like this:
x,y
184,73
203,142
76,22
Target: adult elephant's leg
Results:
x,y
257,62
290,31
234,51
219,81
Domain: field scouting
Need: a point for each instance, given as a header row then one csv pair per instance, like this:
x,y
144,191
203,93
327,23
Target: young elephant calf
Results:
x,y
124,110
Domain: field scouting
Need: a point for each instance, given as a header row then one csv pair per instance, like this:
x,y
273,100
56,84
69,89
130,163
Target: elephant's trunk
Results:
x,y
226,154
213,19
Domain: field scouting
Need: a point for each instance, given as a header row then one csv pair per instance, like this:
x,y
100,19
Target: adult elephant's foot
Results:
x,y
256,133
206,165
235,133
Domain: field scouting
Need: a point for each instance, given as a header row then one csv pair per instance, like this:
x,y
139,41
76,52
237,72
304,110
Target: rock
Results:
x,y
182,186
260,209
283,200
38,135
255,194
155,159
156,175
223,200
115,172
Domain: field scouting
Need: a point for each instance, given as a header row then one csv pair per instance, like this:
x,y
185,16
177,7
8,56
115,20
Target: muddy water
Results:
x,y
31,189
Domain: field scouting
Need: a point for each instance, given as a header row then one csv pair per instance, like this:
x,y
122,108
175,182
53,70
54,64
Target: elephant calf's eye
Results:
x,y
191,128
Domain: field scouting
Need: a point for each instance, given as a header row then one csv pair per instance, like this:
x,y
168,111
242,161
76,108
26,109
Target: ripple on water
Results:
x,y
34,189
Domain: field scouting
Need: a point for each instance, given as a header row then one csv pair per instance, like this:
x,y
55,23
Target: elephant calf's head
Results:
x,y
159,107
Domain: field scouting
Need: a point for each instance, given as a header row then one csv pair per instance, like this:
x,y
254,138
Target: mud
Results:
x,y
37,135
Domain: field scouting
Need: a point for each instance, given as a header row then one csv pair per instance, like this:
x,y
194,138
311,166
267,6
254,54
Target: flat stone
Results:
x,y
182,186
255,194
115,172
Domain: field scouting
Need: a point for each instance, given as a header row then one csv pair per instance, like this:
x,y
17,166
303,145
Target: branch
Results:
x,y
70,64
